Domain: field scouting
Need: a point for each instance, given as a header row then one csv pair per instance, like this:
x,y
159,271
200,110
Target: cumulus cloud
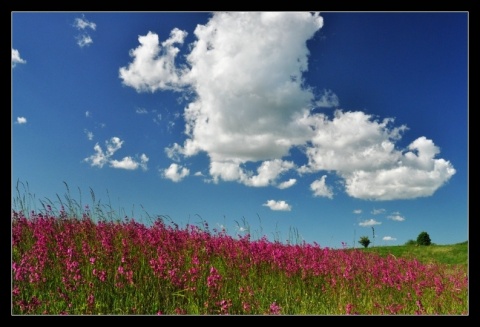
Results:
x,y
396,217
153,67
21,120
101,157
175,172
16,59
251,106
277,205
369,223
389,238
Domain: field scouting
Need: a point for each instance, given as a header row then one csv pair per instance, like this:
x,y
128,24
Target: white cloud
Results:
x,y
327,100
370,222
21,120
129,163
389,238
82,24
153,66
287,184
88,114
141,111
357,211
396,217
277,205
100,158
378,211
175,172
252,105
84,40
89,134
320,189
16,59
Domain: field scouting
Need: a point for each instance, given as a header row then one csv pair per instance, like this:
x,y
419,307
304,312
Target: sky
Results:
x,y
298,126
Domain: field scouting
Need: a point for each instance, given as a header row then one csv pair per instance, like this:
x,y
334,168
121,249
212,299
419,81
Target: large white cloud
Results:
x,y
252,105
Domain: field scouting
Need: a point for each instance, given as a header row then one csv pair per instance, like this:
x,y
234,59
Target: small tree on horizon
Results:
x,y
424,239
365,241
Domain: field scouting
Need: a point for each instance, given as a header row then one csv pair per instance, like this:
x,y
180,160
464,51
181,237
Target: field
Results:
x,y
79,260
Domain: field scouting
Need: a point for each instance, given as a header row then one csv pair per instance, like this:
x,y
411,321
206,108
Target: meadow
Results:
x,y
79,262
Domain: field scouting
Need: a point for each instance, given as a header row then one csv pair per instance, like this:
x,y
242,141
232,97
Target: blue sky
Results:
x,y
310,127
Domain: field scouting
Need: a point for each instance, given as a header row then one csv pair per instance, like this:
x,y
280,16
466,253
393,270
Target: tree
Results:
x,y
424,239
365,241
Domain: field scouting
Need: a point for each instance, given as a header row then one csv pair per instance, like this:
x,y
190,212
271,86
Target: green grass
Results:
x,y
453,254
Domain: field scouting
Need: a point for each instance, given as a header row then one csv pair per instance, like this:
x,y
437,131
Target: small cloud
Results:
x,y
130,164
88,114
141,111
199,173
21,120
84,40
378,211
327,100
175,172
396,217
89,134
100,158
319,188
368,223
357,211
16,59
83,23
277,205
389,238
287,184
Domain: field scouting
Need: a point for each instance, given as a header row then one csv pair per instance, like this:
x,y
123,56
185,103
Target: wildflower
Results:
x,y
274,308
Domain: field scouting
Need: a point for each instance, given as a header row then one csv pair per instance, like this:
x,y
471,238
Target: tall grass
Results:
x,y
65,262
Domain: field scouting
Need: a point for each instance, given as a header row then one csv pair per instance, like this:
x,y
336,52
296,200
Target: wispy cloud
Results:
x,y
141,111
21,120
287,184
252,105
89,134
357,211
368,223
88,114
389,238
175,172
378,211
82,24
277,205
101,157
396,217
16,59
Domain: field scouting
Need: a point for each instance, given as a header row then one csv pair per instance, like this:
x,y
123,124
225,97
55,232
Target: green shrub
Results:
x,y
365,241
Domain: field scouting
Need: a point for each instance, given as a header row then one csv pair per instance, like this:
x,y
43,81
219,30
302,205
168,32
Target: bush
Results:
x,y
424,239
411,242
365,241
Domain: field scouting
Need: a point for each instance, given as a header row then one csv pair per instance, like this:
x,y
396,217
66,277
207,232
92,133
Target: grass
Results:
x,y
84,261
454,254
